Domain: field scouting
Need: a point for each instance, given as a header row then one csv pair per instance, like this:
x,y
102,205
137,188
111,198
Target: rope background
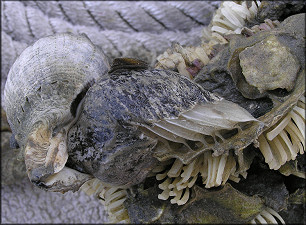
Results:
x,y
125,29
122,29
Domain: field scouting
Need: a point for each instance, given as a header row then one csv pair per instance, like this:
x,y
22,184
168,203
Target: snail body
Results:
x,y
40,99
132,113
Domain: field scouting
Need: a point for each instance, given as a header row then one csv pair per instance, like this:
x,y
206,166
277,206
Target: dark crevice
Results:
x,y
209,139
39,7
127,22
162,24
93,17
279,92
75,103
13,142
115,47
51,26
192,18
226,134
28,22
256,3
6,21
74,107
64,13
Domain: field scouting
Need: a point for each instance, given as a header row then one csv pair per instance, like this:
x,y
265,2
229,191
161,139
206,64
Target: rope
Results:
x,y
142,35
143,16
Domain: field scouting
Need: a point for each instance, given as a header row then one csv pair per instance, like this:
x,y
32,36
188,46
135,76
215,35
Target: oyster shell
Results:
x,y
41,96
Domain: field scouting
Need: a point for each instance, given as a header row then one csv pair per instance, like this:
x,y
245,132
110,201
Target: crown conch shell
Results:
x,y
41,97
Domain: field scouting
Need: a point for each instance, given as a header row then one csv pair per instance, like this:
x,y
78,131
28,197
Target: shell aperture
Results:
x,y
41,86
129,115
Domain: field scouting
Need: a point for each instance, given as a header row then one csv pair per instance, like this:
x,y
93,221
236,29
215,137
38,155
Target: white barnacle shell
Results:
x,y
41,95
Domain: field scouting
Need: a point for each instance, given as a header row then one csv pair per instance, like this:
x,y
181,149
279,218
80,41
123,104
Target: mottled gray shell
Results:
x,y
130,114
46,78
107,142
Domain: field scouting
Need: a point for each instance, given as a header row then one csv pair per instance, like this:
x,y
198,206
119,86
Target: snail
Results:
x,y
133,113
41,98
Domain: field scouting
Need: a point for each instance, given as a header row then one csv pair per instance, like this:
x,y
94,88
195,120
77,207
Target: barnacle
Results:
x,y
267,25
284,140
186,60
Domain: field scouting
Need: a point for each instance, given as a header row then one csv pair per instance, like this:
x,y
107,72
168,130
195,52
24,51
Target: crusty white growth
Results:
x,y
229,18
232,16
111,197
177,181
267,216
284,140
179,58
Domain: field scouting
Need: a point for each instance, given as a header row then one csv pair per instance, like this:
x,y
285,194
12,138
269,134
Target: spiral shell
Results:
x,y
42,92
